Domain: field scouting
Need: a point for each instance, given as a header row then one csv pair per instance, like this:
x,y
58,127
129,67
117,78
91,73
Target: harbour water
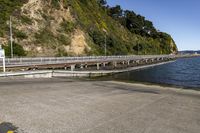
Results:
x,y
184,73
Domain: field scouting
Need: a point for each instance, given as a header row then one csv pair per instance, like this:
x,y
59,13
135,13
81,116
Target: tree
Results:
x,y
116,12
102,2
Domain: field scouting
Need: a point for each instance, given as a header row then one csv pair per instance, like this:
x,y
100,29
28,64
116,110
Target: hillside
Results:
x,y
76,27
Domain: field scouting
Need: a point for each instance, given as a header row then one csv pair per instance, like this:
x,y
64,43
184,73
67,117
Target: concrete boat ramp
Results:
x,y
42,102
63,105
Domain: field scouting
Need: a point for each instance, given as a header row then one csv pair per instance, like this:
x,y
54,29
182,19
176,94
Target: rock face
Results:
x,y
71,27
50,31
41,11
78,44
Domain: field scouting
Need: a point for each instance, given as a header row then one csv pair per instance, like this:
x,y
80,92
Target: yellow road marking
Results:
x,y
10,132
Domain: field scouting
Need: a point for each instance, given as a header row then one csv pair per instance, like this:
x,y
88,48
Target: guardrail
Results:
x,y
59,60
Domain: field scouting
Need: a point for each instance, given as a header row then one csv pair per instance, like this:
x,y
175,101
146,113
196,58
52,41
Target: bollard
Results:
x,y
98,67
81,66
104,64
115,64
72,67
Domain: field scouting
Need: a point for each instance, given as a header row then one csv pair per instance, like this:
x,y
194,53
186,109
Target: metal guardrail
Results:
x,y
59,60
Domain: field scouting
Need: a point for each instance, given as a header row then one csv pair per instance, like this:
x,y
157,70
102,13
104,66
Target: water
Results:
x,y
181,73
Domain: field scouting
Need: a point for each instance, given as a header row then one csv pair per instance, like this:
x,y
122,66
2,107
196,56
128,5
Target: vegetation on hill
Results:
x,y
8,8
93,23
11,8
127,32
18,50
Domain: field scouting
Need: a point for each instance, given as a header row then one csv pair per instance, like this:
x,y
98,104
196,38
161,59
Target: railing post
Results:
x,y
98,66
72,67
4,65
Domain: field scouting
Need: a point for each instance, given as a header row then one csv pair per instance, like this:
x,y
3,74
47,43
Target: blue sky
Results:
x,y
179,18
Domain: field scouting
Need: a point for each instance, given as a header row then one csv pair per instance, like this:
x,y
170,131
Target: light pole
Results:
x,y
105,45
11,39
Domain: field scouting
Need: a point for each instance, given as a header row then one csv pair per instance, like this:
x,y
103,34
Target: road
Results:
x,y
74,106
37,61
14,62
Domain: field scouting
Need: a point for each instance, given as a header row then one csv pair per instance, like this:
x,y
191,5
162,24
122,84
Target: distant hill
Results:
x,y
189,52
78,27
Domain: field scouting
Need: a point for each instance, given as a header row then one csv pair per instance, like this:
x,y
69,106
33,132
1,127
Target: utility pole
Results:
x,y
11,39
105,45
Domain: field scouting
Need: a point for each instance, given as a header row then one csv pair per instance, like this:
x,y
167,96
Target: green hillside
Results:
x,y
125,31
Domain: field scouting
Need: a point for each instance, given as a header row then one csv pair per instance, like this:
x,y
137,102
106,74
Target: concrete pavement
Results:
x,y
73,106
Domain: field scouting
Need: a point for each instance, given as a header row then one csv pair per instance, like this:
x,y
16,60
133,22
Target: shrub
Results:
x,y
65,40
1,33
67,26
18,50
97,37
20,35
55,4
45,36
61,52
26,20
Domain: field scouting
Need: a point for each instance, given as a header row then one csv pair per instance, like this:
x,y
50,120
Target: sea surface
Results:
x,y
184,73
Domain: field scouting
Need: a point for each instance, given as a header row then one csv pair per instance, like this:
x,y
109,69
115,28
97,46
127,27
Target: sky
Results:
x,y
179,18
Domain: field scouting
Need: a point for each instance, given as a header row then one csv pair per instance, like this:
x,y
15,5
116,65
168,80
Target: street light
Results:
x,y
11,39
105,45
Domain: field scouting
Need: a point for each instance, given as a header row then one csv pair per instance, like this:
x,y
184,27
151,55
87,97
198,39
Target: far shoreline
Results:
x,y
147,84
156,86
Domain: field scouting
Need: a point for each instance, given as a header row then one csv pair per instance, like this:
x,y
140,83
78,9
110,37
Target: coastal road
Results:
x,y
81,106
37,61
